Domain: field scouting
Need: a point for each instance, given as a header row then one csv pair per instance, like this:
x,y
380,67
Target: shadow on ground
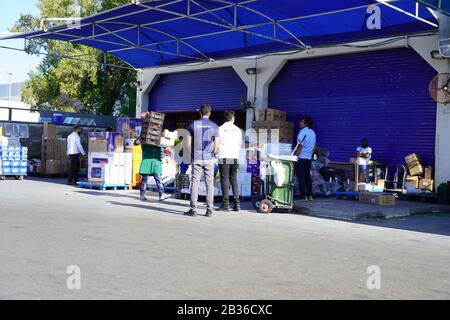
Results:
x,y
434,223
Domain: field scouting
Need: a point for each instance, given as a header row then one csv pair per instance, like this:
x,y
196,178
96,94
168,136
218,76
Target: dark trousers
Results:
x,y
304,177
74,167
228,169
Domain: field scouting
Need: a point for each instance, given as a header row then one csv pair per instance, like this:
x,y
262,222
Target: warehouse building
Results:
x,y
361,68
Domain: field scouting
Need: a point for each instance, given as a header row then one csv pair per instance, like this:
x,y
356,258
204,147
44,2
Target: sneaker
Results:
x,y
223,208
208,213
310,199
237,207
190,213
142,197
164,196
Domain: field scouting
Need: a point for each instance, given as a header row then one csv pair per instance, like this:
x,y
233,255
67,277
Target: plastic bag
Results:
x,y
278,172
263,170
320,186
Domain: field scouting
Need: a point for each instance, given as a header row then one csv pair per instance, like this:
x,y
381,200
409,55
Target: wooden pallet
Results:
x,y
347,195
103,187
15,176
421,197
49,175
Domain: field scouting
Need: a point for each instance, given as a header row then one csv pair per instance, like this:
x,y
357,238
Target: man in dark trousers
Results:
x,y
204,144
74,150
306,144
230,141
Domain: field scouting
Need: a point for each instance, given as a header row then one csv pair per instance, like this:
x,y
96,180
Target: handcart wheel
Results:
x,y
265,206
256,201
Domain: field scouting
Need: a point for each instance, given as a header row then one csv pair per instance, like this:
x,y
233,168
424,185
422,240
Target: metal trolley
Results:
x,y
270,195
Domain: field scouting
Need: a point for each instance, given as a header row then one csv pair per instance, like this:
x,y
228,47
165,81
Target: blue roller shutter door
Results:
x,y
380,95
187,91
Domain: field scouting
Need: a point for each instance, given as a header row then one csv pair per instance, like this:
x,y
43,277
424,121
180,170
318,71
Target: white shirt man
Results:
x,y
74,149
74,144
230,141
364,153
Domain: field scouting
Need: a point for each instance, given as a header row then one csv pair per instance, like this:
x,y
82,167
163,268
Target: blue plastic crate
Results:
x,y
6,170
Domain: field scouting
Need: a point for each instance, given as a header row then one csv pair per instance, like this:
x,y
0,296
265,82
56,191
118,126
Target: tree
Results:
x,y
81,81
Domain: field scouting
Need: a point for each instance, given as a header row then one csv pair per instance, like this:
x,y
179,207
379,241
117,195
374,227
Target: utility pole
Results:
x,y
10,88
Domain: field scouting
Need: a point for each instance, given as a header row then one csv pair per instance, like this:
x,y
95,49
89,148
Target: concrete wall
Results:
x,y
268,67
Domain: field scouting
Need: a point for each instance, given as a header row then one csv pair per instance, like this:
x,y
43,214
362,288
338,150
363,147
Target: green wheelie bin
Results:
x,y
272,196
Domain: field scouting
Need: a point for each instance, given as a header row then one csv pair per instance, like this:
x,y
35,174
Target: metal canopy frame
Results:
x,y
195,11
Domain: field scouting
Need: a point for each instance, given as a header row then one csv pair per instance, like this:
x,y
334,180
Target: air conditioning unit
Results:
x,y
444,35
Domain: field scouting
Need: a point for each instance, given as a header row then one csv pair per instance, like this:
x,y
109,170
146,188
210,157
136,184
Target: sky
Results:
x,y
16,62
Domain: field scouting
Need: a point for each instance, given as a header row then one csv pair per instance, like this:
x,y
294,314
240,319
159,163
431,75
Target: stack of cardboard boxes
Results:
x,y
53,152
419,176
271,119
107,161
152,128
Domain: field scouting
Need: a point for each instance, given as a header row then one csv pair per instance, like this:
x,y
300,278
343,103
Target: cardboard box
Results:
x,y
416,170
112,158
128,145
413,164
275,115
128,168
412,159
129,128
381,199
168,138
53,148
104,174
414,180
105,142
428,173
281,131
97,144
272,115
426,184
53,167
49,130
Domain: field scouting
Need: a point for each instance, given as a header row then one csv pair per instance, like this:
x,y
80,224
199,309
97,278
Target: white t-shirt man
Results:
x,y
74,144
230,141
364,161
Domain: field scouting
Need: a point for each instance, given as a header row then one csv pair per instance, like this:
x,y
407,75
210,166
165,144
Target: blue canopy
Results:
x,y
440,5
164,32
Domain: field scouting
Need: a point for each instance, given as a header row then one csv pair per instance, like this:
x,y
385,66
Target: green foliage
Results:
x,y
81,82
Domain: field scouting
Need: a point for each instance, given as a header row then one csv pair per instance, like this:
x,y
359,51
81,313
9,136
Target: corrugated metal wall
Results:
x,y
380,95
187,91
